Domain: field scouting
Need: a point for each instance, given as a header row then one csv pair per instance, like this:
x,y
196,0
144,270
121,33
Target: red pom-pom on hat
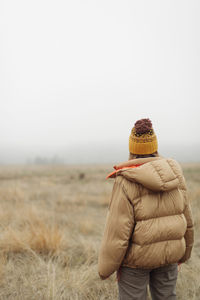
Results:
x,y
142,126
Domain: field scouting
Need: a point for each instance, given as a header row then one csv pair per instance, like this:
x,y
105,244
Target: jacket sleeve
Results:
x,y
117,231
189,234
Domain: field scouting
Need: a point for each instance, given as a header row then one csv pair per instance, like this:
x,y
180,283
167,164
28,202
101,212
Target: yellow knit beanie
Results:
x,y
142,139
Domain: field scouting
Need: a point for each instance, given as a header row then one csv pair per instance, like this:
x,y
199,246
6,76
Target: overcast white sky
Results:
x,y
80,73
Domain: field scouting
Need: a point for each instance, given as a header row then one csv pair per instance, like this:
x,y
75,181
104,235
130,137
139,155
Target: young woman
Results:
x,y
149,226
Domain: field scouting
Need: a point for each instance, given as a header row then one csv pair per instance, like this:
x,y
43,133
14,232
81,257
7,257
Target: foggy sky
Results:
x,y
76,75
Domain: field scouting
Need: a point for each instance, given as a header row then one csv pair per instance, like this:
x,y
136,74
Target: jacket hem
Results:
x,y
149,267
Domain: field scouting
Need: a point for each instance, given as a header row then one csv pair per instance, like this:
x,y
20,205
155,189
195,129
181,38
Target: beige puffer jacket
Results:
x,y
149,222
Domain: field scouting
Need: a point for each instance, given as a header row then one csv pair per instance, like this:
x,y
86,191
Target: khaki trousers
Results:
x,y
133,283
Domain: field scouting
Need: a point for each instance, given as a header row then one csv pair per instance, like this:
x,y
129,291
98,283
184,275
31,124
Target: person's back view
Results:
x,y
149,227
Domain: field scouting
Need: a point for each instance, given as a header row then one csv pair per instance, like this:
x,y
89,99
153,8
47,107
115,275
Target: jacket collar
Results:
x,y
137,161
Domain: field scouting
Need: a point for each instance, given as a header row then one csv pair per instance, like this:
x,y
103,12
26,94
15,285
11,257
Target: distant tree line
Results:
x,y
42,160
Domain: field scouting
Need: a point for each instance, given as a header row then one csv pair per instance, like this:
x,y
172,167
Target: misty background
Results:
x,y
76,75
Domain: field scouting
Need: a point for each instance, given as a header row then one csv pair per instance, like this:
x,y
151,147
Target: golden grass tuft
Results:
x,y
42,239
33,234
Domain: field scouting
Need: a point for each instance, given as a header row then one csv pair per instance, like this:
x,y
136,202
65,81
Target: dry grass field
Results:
x,y
51,223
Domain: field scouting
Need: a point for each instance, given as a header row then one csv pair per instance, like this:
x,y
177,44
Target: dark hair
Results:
x,y
134,156
146,155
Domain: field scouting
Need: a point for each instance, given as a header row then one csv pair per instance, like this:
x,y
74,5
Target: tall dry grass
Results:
x,y
51,223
